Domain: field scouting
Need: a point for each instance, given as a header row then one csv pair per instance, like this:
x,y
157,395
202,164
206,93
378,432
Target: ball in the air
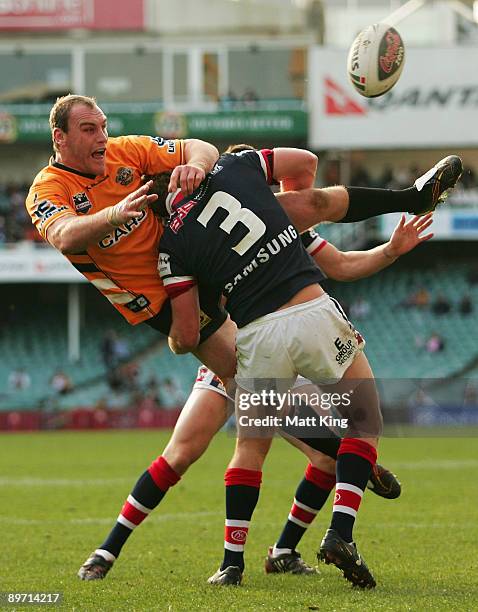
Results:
x,y
375,60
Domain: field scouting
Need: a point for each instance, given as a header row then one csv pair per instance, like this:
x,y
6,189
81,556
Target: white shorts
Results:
x,y
206,379
314,340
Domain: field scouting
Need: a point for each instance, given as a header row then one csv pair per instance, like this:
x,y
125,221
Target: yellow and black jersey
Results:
x,y
123,265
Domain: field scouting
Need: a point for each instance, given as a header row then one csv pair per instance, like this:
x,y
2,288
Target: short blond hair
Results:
x,y
60,112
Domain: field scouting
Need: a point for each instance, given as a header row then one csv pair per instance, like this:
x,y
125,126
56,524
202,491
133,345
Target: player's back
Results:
x,y
234,238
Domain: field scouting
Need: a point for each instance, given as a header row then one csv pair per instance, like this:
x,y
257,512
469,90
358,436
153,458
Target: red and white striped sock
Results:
x,y
311,495
147,493
355,460
242,493
132,513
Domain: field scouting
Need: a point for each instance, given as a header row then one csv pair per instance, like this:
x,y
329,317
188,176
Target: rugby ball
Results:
x,y
375,61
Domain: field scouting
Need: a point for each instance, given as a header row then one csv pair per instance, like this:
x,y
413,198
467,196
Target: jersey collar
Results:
x,y
56,164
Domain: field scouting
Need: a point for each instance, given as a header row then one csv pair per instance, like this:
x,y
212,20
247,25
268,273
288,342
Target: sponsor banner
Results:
x,y
30,124
433,104
85,417
36,265
41,15
448,224
444,415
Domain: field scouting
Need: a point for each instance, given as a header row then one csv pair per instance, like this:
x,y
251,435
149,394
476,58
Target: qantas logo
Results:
x,y
339,102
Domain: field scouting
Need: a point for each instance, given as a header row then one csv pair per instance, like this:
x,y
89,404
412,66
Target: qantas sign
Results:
x,y
337,101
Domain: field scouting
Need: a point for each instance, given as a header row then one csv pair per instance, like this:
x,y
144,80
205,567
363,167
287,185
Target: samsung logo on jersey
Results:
x,y
271,248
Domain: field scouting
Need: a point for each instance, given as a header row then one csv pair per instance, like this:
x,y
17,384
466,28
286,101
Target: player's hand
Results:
x,y
408,234
132,206
187,177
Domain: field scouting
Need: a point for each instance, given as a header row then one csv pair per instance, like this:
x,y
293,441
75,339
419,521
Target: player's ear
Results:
x,y
58,136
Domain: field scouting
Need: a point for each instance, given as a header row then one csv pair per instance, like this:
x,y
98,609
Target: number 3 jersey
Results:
x,y
233,238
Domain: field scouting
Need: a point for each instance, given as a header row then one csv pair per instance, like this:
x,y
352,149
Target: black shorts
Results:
x,y
212,316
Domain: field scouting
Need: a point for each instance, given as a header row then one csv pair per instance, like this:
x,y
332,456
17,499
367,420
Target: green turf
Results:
x,y
62,491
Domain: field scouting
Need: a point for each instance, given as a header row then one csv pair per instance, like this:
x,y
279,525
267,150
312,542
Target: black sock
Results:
x,y
366,202
147,493
354,464
311,495
242,493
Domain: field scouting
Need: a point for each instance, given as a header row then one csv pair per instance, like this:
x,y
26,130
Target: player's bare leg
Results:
x,y
204,414
310,207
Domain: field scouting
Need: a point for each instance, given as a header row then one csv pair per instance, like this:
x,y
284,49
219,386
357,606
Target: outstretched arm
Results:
x,y
73,234
352,265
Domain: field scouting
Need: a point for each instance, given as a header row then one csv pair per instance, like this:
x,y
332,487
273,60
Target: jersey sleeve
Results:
x,y
263,160
46,202
154,154
174,273
312,242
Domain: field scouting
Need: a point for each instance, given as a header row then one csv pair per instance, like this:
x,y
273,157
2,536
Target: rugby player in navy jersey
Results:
x,y
189,440
232,238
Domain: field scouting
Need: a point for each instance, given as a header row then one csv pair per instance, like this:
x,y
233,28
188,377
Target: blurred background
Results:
x,y
270,73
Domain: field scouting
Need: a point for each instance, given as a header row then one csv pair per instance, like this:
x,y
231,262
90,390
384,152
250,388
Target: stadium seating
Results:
x,y
396,338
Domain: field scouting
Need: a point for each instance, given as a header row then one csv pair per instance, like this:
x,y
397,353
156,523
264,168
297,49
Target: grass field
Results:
x,y
62,491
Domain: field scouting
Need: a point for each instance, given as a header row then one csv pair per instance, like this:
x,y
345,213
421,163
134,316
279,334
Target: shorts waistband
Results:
x,y
279,314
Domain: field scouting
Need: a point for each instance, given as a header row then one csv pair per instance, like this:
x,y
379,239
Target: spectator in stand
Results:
x,y
386,178
466,305
435,343
441,305
107,349
417,299
472,276
468,179
19,380
3,234
114,349
359,309
250,97
171,394
361,177
61,383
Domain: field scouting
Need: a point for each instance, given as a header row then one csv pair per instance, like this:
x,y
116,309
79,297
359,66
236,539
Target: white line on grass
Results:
x,y
61,482
8,520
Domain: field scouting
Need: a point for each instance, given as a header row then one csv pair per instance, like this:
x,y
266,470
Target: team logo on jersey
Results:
x,y
81,202
124,176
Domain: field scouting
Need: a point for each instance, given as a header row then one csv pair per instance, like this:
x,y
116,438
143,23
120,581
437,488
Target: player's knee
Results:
x,y
182,455
322,462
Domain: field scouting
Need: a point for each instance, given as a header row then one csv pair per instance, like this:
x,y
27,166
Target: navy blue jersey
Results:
x,y
233,238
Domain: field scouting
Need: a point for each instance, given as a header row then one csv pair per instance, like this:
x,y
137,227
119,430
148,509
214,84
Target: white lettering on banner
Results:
x,y
456,224
29,7
433,104
37,265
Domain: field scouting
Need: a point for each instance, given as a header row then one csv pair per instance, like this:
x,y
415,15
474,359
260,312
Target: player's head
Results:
x,y
238,148
79,134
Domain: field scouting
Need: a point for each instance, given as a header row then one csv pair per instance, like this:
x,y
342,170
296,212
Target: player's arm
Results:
x,y
73,234
352,265
199,157
294,169
184,332
305,205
